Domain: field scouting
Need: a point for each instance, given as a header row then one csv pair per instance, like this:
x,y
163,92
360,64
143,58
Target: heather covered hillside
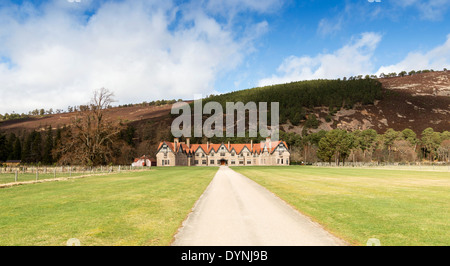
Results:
x,y
368,106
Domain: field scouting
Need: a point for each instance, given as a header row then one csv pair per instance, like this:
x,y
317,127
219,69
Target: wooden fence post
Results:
x,y
15,177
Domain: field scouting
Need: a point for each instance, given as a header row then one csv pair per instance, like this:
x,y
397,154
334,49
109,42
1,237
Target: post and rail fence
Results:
x,y
14,174
417,166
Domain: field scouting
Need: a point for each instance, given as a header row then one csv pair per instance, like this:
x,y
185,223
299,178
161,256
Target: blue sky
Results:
x,y
54,53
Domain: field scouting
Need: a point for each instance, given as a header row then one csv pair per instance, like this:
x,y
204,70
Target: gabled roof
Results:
x,y
144,157
258,148
171,146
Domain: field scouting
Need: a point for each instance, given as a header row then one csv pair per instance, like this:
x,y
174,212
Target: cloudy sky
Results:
x,y
55,53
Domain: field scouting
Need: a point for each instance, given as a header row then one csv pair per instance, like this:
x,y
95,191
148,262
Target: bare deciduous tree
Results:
x,y
404,151
92,138
444,150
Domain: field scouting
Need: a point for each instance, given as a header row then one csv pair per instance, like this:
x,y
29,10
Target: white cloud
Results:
x,y
352,59
428,9
141,50
225,7
437,59
327,26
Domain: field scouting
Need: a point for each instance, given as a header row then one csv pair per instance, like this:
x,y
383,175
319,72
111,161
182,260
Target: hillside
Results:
x,y
415,102
149,125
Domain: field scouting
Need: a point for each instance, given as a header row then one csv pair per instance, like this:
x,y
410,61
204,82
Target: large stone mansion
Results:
x,y
183,153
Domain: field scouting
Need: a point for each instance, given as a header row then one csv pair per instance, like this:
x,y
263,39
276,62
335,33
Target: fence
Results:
x,y
31,173
442,167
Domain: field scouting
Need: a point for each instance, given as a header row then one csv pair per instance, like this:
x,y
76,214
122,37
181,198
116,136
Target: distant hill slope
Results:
x,y
127,114
416,102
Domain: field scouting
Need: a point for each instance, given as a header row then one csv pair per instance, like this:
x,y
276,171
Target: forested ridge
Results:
x,y
296,97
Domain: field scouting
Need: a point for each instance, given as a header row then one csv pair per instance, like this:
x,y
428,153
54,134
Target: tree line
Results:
x,y
32,148
91,139
339,146
404,73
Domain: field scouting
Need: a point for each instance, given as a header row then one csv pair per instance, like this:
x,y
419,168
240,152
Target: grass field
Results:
x,y
10,177
133,208
395,206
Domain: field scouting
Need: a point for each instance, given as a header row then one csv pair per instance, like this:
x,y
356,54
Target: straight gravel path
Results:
x,y
236,211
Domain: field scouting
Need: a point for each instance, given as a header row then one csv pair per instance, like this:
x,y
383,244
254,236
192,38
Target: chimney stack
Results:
x,y
207,146
188,142
268,143
228,145
251,145
175,140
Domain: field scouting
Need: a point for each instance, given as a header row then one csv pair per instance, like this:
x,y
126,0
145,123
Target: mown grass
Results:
x,y
398,207
133,208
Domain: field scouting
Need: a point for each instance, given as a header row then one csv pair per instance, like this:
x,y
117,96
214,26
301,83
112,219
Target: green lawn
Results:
x,y
398,207
132,208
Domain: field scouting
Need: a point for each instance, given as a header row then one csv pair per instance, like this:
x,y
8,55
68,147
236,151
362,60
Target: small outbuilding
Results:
x,y
144,161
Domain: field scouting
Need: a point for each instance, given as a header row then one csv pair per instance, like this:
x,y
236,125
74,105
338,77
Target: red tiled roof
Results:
x,y
207,148
144,157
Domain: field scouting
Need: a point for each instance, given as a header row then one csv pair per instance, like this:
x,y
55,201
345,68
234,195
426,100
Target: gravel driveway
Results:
x,y
236,211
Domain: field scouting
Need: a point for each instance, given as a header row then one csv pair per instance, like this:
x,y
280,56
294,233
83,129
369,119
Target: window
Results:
x,y
222,154
196,162
241,162
233,162
249,162
211,162
203,161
